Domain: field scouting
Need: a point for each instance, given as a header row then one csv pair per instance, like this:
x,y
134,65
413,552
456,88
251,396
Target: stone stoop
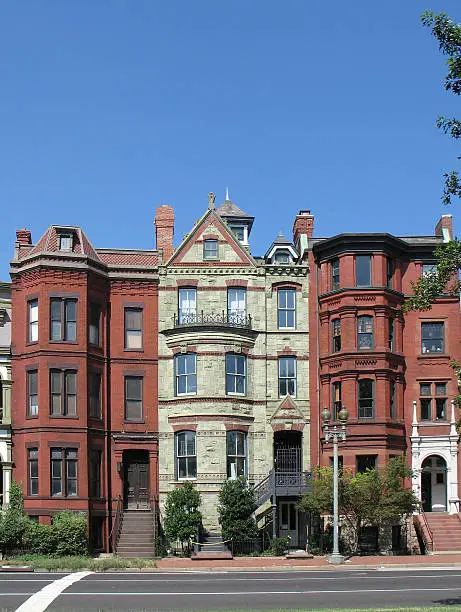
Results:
x,y
137,534
446,531
214,549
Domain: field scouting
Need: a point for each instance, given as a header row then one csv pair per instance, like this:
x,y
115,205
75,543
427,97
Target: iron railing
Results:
x,y
116,525
220,319
299,480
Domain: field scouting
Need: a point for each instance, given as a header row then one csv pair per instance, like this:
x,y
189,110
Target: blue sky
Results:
x,y
110,108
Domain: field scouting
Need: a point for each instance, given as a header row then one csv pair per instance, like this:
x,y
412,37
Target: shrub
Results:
x,y
41,539
235,510
71,533
279,546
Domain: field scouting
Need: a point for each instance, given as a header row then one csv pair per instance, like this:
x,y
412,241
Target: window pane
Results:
x,y
181,385
133,387
190,443
182,468
192,467
133,410
55,330
133,318
440,389
56,487
71,310
71,386
363,270
240,384
425,409
55,307
33,321
425,389
56,382
440,405
190,363
133,339
71,405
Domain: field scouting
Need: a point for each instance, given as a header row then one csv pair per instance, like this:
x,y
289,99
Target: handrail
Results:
x,y
117,524
226,319
155,521
428,541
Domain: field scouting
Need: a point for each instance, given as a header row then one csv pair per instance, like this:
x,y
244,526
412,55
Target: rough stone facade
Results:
x,y
211,411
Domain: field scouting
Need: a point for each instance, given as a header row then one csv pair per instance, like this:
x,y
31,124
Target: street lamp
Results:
x,y
335,434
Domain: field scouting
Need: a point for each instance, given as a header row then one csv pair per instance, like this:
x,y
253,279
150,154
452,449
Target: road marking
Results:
x,y
285,579
259,593
43,598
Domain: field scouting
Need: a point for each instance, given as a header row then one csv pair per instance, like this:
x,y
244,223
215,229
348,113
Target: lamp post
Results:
x,y
335,434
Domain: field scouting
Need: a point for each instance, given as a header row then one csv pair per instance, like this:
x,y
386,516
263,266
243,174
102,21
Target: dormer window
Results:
x,y
241,231
282,257
65,242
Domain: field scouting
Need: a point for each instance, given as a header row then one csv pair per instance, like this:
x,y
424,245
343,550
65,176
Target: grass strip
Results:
x,y
79,563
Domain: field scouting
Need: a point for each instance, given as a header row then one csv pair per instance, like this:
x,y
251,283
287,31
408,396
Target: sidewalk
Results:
x,y
177,564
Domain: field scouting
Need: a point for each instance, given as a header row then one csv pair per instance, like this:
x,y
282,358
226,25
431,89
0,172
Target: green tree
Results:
x,y
183,518
369,498
13,523
445,278
236,507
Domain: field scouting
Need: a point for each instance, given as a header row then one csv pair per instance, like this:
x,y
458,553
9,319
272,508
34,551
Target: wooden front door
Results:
x,y
136,485
288,522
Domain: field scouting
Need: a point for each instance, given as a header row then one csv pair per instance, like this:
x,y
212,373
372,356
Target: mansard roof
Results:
x,y
281,242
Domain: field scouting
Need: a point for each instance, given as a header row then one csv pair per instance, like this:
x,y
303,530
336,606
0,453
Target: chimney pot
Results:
x,y
23,236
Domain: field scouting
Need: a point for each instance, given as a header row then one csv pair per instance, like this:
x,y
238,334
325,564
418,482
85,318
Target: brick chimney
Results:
x,y
164,230
444,228
303,225
23,236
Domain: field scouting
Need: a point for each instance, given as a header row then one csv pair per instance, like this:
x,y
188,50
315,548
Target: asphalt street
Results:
x,y
335,588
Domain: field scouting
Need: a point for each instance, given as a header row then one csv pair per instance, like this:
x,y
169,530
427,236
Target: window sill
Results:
x,y
236,394
432,355
31,416
63,341
133,350
186,395
97,346
192,478
433,423
64,416
31,342
133,422
95,418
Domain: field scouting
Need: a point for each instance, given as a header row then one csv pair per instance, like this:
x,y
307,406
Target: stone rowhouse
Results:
x,y
234,364
84,361
5,392
389,369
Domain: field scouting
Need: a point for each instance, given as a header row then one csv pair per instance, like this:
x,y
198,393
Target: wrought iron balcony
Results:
x,y
220,319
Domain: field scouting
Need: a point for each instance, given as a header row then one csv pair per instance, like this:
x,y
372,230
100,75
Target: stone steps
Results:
x,y
137,534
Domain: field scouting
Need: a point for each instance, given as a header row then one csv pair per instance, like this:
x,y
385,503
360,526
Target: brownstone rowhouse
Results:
x,y
84,401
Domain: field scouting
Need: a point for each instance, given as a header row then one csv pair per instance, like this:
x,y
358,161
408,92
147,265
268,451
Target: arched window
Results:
x,y
236,454
186,455
366,398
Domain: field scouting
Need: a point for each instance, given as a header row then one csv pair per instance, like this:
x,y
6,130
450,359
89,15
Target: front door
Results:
x,y
136,489
288,522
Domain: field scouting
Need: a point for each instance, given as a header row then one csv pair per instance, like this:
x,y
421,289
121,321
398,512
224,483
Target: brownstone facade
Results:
x,y
391,370
84,400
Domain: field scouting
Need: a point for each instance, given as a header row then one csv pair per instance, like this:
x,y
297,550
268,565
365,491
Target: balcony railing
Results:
x,y
220,319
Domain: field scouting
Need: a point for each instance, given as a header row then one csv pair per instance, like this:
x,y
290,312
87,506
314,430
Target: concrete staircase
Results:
x,y
137,534
446,531
213,549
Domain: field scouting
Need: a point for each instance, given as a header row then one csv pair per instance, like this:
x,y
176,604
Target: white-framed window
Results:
x,y
133,328
187,305
186,455
282,257
65,242
239,231
235,374
236,444
432,337
286,308
210,248
32,308
185,374
236,305
287,376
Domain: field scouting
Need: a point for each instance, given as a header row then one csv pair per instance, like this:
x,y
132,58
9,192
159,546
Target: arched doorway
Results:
x,y
434,484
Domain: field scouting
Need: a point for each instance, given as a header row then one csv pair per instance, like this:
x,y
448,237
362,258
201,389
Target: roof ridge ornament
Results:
x,y
211,199
227,195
